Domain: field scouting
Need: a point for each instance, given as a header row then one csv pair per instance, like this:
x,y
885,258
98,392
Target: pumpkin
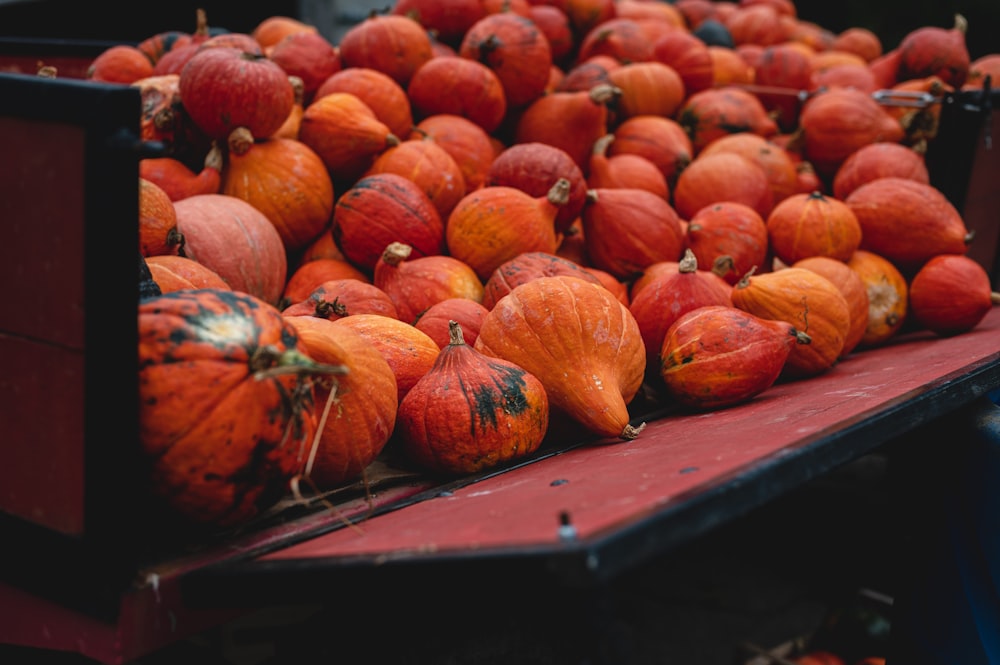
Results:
x,y
310,274
662,141
176,273
534,167
581,343
448,21
618,288
356,413
879,160
526,267
345,133
494,224
430,166
620,38
851,286
920,121
688,56
783,68
805,225
836,122
624,170
121,63
158,232
515,49
933,51
670,295
587,73
337,298
981,68
777,162
756,23
808,301
272,29
162,117
554,24
290,127
461,87
435,320
179,182
285,180
235,240
716,356
414,285
647,88
394,45
888,296
410,352
309,56
570,121
722,176
323,247
733,67
383,208
715,112
728,238
467,143
907,222
386,98
224,88
627,229
225,403
471,412
951,294
860,41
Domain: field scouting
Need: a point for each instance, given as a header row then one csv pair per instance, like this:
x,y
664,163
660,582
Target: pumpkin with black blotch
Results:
x,y
225,403
472,412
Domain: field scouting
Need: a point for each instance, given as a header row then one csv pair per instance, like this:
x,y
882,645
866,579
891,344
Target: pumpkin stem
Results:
x,y
200,22
604,93
240,140
631,432
723,265
213,160
396,252
970,236
455,336
745,279
995,298
559,193
961,24
267,362
601,144
688,263
800,337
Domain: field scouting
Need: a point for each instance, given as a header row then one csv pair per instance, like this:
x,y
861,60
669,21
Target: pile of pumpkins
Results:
x,y
468,223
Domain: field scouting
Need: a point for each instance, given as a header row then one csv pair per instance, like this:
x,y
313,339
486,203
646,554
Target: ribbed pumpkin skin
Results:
x,y
515,49
808,301
346,134
394,45
379,92
177,273
579,340
472,412
526,267
285,180
158,232
716,356
363,414
853,289
805,225
221,440
384,208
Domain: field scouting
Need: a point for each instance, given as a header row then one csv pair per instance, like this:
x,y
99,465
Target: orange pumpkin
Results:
x,y
728,238
472,412
662,141
525,267
851,286
392,44
808,301
430,166
386,98
467,143
179,182
624,171
435,320
158,232
462,87
805,225
888,296
355,414
310,274
176,273
715,112
337,298
879,160
951,294
722,176
647,88
550,324
515,49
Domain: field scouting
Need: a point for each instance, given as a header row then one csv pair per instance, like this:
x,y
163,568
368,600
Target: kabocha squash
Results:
x,y
581,343
472,412
225,403
356,412
716,356
808,301
951,294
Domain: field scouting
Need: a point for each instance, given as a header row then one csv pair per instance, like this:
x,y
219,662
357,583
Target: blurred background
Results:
x,y
129,21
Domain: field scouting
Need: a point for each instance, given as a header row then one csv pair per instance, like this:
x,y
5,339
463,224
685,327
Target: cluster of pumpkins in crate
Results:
x,y
469,221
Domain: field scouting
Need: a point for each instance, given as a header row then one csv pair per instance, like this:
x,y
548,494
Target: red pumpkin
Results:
x,y
951,294
714,112
526,267
392,44
337,298
121,63
722,176
717,355
515,49
224,88
467,143
435,320
462,87
225,403
663,141
178,181
934,51
309,56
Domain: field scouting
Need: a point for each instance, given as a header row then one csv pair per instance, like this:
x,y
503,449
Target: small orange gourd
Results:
x,y
888,296
805,225
472,412
580,341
